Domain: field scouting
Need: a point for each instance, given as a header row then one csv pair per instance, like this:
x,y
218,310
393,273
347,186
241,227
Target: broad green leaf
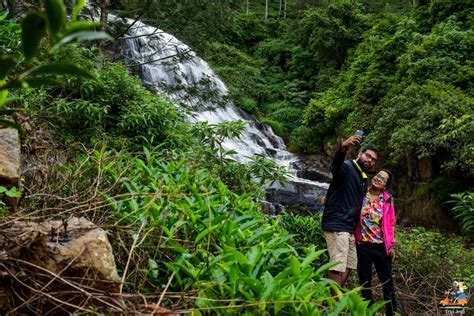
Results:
x,y
32,31
311,257
78,26
6,64
82,36
201,235
8,101
61,69
3,189
269,285
13,192
3,14
3,94
56,17
295,265
326,267
77,8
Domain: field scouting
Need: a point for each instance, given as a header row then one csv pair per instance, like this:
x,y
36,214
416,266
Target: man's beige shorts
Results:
x,y
341,248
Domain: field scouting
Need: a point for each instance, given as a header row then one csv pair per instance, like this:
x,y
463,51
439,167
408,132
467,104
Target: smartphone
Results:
x,y
359,133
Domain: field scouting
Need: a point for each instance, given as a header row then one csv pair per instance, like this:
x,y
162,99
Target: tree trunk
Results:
x,y
104,10
284,10
247,9
266,9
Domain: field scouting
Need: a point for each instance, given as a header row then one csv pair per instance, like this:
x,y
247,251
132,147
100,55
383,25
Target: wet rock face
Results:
x,y
314,168
297,196
301,195
9,157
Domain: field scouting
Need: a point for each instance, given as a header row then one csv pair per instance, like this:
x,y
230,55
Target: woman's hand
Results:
x,y
392,253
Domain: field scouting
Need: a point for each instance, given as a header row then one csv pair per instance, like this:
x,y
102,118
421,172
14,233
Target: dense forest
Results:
x,y
187,224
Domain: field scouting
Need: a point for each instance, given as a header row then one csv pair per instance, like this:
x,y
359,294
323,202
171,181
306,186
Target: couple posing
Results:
x,y
358,222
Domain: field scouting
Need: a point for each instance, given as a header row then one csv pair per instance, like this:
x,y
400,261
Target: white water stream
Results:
x,y
171,67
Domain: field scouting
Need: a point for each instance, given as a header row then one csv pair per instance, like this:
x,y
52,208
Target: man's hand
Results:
x,y
351,141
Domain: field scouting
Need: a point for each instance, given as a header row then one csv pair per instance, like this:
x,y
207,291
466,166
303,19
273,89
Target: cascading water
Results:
x,y
168,66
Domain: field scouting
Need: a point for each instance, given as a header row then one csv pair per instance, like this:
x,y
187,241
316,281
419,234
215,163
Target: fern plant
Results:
x,y
464,211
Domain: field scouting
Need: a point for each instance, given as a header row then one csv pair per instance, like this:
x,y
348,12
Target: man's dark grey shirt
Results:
x,y
344,197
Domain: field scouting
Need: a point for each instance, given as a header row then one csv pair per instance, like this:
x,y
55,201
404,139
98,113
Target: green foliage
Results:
x,y
216,243
12,192
409,88
290,117
238,176
277,127
411,122
325,36
9,193
267,171
426,255
20,71
114,102
307,230
302,140
464,210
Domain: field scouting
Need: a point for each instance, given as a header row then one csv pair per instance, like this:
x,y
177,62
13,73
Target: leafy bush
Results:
x,y
464,210
290,117
307,231
30,68
277,127
116,103
411,123
204,239
429,254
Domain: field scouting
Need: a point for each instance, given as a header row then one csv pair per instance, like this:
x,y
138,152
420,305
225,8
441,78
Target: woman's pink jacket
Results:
x,y
388,223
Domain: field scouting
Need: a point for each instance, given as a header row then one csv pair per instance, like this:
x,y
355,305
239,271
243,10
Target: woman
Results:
x,y
375,239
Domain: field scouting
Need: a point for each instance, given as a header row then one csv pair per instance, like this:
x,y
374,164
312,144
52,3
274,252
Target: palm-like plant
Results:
x,y
464,211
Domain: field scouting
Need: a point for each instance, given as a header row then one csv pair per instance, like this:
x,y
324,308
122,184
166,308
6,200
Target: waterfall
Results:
x,y
169,66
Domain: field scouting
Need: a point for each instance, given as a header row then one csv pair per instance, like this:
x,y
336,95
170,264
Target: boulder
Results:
x,y
71,260
9,157
314,168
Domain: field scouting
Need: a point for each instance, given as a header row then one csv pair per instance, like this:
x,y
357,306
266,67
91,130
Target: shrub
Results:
x,y
464,211
201,238
277,127
425,265
290,117
307,231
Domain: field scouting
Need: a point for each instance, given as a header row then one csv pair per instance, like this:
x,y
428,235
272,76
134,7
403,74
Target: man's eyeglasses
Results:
x,y
372,158
380,178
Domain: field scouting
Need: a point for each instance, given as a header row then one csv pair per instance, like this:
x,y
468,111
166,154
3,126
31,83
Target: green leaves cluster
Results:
x,y
463,208
409,87
216,243
20,71
432,258
250,176
12,192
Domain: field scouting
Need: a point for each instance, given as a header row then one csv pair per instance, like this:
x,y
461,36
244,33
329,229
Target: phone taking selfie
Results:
x,y
359,133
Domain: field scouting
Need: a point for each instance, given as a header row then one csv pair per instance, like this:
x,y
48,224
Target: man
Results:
x,y
342,207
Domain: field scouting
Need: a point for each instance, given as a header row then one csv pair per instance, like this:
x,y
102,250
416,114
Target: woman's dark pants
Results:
x,y
368,254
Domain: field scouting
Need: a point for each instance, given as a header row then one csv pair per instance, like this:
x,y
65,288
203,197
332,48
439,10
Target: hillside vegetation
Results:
x,y
186,223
